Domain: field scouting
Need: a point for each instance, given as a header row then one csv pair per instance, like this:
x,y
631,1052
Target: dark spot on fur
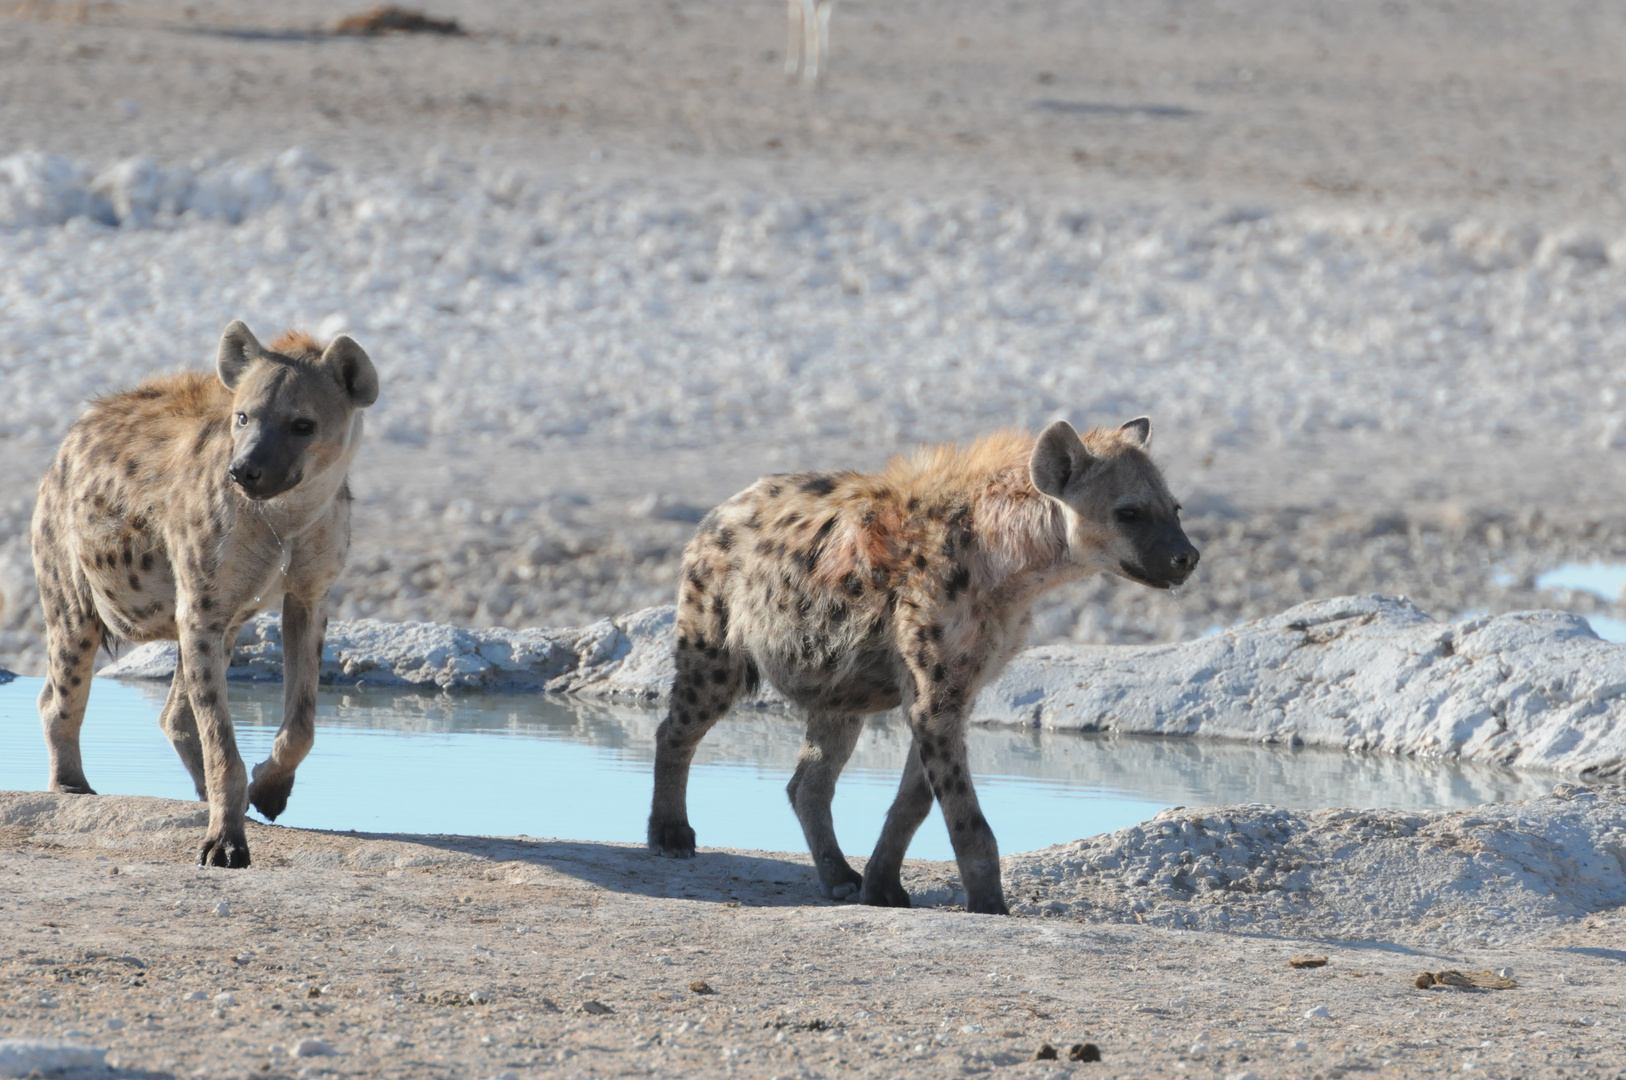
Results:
x,y
201,648
719,676
939,673
960,787
913,505
209,699
774,490
959,826
205,602
135,582
926,751
724,538
146,561
690,696
818,485
84,643
959,582
75,680
920,562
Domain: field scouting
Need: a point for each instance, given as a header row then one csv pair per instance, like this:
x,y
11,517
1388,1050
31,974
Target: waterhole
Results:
x,y
545,766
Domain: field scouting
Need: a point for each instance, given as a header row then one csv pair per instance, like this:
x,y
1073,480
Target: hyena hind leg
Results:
x,y
829,743
709,678
181,725
883,874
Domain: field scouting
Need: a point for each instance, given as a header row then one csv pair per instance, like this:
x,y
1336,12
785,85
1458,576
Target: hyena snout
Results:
x,y
1165,563
261,472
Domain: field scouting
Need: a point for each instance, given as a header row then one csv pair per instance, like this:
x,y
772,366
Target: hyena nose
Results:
x,y
1186,561
246,475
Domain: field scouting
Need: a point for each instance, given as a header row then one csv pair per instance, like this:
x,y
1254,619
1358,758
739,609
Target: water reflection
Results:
x,y
546,766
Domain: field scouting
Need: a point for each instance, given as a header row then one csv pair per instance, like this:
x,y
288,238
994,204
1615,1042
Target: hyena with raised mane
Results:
x,y
182,508
853,593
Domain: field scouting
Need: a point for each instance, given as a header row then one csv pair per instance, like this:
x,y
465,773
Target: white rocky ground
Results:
x,y
1533,690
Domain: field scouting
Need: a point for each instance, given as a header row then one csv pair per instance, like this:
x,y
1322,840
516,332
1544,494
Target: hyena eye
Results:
x,y
304,427
242,419
1127,515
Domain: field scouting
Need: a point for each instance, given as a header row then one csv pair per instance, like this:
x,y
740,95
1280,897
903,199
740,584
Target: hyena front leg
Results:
x,y
73,633
709,677
303,627
205,651
829,743
943,696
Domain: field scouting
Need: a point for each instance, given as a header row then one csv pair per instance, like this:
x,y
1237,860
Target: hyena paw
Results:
x,y
229,849
73,787
270,797
987,905
672,838
840,882
888,894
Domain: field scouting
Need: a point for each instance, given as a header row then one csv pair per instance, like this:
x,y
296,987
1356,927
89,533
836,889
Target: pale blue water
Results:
x,y
544,766
1607,580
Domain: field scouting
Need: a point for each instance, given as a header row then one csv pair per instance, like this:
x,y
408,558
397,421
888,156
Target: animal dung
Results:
x,y
1046,1052
1465,980
701,986
1307,961
1084,1052
387,18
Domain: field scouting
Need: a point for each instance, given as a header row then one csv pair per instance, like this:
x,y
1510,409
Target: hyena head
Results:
x,y
1120,515
293,417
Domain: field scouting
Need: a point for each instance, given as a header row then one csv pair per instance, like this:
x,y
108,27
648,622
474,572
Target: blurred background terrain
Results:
x,y
1364,263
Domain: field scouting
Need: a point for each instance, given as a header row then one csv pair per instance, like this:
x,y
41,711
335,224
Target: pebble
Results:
x,y
596,1008
1506,973
223,909
392,951
195,995
225,997
1244,1075
311,1048
114,1024
479,997
1318,1012
1297,1044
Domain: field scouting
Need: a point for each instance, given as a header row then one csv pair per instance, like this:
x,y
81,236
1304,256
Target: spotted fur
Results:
x,y
854,593
178,510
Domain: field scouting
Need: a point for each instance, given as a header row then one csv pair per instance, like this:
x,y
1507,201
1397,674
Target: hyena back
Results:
x,y
854,593
178,510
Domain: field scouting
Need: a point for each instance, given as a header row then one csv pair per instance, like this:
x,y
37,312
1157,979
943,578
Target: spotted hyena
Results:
x,y
853,593
180,509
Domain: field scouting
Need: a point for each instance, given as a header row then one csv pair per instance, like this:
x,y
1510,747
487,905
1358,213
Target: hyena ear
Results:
x,y
238,349
350,365
1058,459
1139,431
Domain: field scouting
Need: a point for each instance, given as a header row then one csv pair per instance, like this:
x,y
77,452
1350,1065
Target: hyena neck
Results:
x,y
1020,536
